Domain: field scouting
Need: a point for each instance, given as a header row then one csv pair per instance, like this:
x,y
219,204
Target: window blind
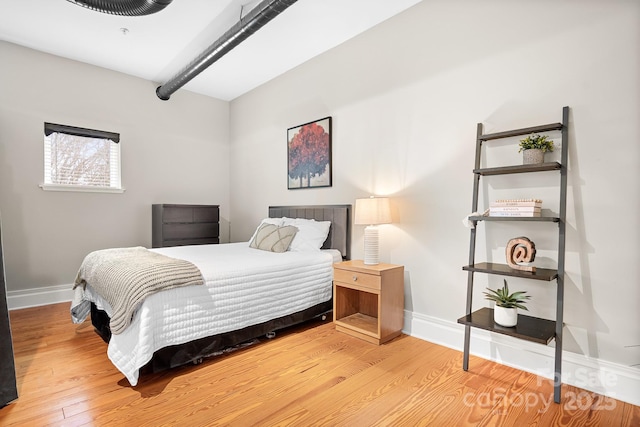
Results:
x,y
80,157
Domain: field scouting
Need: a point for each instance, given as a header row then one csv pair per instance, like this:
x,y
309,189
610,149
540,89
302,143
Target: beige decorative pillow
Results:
x,y
270,237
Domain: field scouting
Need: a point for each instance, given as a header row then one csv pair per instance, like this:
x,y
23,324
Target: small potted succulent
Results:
x,y
533,147
505,312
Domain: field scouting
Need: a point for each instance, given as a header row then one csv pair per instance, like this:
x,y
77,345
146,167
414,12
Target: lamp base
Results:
x,y
371,246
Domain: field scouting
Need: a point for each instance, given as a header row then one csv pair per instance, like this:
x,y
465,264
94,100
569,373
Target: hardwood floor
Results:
x,y
307,376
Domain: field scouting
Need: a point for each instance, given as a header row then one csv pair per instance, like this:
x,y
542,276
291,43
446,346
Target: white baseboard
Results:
x,y
609,379
40,296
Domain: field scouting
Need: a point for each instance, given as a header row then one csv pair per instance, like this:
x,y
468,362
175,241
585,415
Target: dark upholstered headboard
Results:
x,y
340,216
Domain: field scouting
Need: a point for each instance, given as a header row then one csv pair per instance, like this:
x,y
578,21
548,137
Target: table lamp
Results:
x,y
371,212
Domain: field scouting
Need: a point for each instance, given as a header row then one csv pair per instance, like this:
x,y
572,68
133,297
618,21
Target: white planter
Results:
x,y
532,156
505,316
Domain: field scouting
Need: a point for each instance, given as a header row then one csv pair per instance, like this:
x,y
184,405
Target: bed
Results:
x,y
239,301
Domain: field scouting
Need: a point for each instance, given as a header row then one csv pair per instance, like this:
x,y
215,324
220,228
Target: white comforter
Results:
x,y
243,287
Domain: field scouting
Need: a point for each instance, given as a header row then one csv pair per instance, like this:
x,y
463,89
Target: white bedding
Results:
x,y
243,287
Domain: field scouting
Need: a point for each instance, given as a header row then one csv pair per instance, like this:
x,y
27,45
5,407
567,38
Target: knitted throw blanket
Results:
x,y
126,276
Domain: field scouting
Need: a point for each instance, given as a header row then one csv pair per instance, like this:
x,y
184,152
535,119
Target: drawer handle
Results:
x,y
355,278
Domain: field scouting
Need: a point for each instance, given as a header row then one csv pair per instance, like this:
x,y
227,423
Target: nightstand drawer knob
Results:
x,y
355,278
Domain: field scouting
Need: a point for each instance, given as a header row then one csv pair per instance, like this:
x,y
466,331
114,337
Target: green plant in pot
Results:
x,y
533,147
505,312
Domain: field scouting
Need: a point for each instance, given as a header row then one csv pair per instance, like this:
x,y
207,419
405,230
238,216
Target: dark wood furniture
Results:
x,y
8,387
368,300
178,225
528,328
194,351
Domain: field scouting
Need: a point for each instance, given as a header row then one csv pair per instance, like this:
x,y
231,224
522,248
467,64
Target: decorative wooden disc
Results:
x,y
521,250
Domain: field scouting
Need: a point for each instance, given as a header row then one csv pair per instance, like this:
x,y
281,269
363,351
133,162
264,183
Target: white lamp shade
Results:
x,y
373,211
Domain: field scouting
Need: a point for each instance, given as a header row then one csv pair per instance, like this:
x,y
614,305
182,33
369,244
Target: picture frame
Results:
x,y
309,161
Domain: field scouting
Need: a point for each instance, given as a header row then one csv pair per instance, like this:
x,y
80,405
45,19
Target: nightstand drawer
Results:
x,y
353,277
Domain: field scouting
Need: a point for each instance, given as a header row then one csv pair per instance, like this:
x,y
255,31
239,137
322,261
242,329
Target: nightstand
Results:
x,y
368,300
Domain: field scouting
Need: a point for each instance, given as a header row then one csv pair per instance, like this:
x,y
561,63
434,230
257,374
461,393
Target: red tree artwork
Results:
x,y
309,155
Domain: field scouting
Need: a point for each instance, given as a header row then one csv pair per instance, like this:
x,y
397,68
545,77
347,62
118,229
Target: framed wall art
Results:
x,y
309,155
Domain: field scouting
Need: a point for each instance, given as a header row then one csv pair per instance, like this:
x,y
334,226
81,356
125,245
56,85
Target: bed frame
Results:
x,y
195,351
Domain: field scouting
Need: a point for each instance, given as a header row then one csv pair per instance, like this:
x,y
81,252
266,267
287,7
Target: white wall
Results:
x,y
172,152
405,98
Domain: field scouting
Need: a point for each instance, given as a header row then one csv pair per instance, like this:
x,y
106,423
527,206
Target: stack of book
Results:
x,y
516,208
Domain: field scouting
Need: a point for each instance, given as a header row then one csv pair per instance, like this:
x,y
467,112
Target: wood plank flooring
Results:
x,y
306,376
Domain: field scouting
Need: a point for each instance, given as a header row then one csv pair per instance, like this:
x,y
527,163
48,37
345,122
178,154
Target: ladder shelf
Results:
x,y
528,328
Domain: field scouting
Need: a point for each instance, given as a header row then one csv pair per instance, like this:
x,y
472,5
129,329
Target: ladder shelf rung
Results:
x,y
519,132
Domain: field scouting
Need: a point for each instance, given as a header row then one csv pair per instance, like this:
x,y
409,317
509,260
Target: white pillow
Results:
x,y
274,221
311,233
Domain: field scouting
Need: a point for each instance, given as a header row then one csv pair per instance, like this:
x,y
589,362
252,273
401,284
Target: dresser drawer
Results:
x,y
356,278
177,214
173,214
190,231
206,214
199,241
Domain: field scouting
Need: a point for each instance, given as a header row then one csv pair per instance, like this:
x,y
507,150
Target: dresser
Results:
x,y
368,300
178,225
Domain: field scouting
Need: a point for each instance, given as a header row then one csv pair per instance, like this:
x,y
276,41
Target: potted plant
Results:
x,y
534,146
505,312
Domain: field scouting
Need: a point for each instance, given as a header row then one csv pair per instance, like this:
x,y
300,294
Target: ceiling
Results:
x,y
156,47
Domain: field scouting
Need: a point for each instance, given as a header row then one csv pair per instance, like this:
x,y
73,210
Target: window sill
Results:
x,y
80,188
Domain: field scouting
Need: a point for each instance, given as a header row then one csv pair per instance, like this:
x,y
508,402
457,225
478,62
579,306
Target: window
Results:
x,y
78,159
